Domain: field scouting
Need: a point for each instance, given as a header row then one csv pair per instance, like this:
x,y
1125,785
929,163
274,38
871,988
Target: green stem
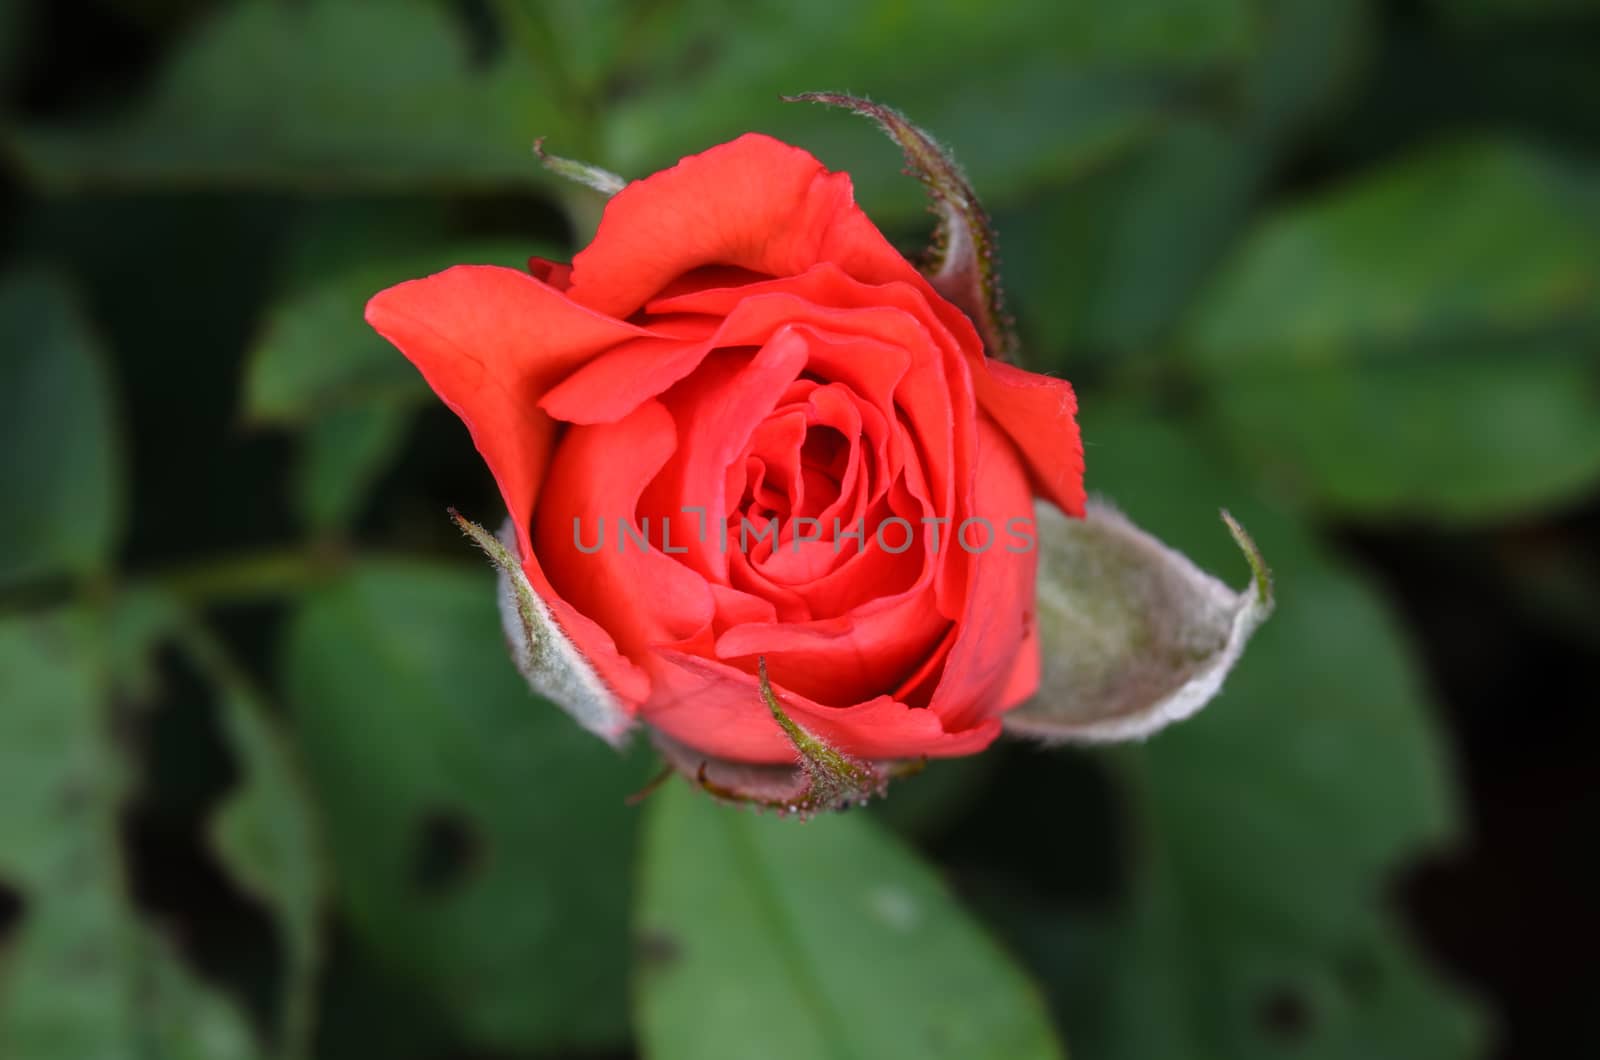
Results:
x,y
529,27
248,578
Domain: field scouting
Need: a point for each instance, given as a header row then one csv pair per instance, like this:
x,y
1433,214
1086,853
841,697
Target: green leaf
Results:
x,y
1311,52
342,454
264,831
316,351
480,840
771,938
588,43
266,834
314,95
1103,267
84,978
1420,342
316,363
59,481
1266,827
1098,269
1074,81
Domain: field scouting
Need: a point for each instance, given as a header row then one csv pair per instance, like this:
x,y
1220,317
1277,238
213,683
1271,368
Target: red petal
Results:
x,y
1000,594
490,341
844,660
557,274
718,710
1039,413
641,595
716,410
754,203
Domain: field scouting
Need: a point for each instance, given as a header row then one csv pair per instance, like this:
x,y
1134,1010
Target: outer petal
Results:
x,y
641,595
992,633
754,203
718,710
1039,413
491,341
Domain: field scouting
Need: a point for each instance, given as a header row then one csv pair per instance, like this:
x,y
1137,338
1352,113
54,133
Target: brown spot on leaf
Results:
x,y
12,908
1285,1015
447,851
657,949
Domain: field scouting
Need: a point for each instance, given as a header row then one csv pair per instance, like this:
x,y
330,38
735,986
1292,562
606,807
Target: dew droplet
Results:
x,y
895,907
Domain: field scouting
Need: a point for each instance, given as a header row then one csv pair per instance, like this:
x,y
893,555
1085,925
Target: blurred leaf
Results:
x,y
585,39
1450,242
59,480
1102,267
1267,825
1311,51
264,831
1489,14
266,835
1074,82
771,938
316,350
138,622
324,93
1251,996
180,1018
1099,268
326,236
1393,987
341,456
1420,342
83,977
318,364
480,842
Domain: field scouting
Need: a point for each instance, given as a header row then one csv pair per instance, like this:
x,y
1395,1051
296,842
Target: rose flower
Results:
x,y
766,489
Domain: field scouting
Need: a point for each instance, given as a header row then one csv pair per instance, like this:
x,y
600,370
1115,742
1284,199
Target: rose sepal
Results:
x,y
823,778
553,667
1136,636
963,260
592,176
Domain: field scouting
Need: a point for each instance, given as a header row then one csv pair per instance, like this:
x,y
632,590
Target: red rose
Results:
x,y
740,344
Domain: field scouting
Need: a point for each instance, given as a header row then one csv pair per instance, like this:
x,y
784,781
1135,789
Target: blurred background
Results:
x,y
269,787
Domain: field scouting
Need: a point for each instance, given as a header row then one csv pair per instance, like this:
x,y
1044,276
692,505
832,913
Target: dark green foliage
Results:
x,y
1330,264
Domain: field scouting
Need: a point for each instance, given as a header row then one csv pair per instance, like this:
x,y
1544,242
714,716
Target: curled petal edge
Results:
x,y
1135,637
551,664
